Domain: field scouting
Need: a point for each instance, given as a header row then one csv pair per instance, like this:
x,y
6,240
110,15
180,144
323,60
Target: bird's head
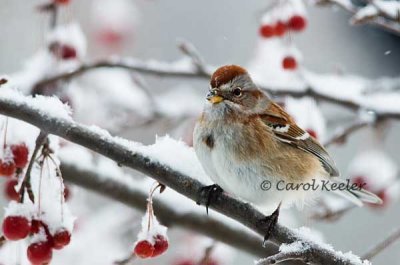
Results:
x,y
231,84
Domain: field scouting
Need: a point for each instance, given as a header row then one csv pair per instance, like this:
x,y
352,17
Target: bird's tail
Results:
x,y
356,196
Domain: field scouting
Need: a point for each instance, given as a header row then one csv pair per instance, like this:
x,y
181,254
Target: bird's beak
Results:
x,y
213,97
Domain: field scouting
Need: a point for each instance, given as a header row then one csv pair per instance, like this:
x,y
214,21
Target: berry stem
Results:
x,y
26,183
5,134
40,186
59,174
150,202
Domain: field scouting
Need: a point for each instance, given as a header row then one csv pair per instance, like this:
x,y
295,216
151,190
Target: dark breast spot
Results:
x,y
209,141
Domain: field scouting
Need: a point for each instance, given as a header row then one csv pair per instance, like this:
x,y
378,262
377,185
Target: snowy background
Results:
x,y
224,32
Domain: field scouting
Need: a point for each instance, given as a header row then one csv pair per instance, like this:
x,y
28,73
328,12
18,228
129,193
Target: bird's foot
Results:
x,y
209,194
269,223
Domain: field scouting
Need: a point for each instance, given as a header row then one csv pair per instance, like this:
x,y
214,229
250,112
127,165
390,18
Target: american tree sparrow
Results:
x,y
244,139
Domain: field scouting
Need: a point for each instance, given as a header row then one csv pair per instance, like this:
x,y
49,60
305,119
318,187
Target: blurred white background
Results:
x,y
226,31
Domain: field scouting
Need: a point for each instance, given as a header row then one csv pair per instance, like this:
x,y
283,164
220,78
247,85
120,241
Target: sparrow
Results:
x,y
243,139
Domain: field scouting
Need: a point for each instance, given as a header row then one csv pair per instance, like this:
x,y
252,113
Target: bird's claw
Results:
x,y
270,223
209,194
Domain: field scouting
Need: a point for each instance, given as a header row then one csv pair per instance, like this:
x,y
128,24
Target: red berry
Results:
x,y
61,239
16,227
144,249
360,182
267,31
40,253
160,245
10,191
289,63
68,52
62,2
67,192
297,23
63,51
7,168
279,29
20,154
312,133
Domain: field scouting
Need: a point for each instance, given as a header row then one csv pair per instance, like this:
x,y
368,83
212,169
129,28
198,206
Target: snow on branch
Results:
x,y
385,14
179,171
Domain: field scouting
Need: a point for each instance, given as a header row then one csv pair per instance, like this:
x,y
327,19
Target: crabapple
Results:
x,y
16,227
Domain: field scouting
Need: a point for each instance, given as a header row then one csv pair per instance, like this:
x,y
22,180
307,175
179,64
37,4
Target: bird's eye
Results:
x,y
237,92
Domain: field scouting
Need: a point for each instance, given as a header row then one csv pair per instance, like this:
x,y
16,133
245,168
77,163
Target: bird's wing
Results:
x,y
286,130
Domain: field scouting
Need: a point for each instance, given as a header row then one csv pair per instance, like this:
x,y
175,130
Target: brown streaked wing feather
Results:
x,y
276,118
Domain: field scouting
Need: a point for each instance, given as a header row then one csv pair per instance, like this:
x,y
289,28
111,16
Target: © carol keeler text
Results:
x,y
314,185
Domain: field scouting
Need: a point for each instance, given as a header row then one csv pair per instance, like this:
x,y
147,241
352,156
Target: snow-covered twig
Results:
x,y
393,237
208,226
175,70
190,50
172,175
369,14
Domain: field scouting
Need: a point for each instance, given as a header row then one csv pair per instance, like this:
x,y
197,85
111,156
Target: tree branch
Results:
x,y
173,70
380,19
20,107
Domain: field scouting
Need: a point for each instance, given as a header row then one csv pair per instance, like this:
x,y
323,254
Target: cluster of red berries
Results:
x,y
152,240
279,29
145,249
295,23
63,51
19,159
20,227
9,166
382,194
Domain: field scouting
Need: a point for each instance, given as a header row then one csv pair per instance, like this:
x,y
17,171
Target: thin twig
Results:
x,y
332,215
385,243
340,136
26,183
190,50
207,254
